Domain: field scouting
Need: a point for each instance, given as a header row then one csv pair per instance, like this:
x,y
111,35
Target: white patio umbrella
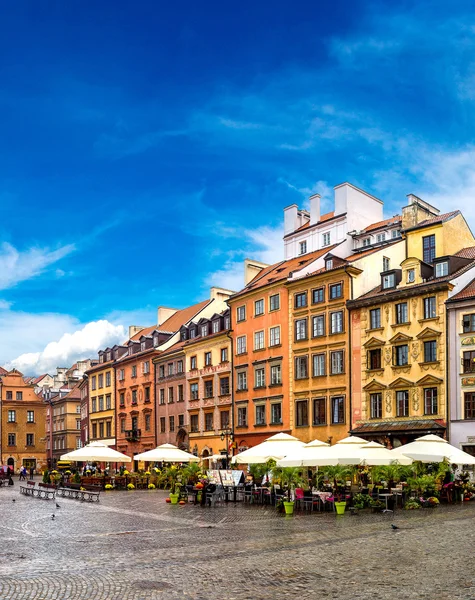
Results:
x,y
432,448
344,452
309,455
373,454
97,452
214,457
166,453
275,447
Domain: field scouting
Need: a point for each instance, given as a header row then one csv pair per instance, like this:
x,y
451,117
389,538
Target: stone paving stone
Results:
x,y
134,546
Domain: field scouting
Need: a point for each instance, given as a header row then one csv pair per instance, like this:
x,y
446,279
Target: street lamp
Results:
x,y
227,434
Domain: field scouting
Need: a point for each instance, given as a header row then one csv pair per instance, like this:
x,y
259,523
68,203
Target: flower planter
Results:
x,y
289,508
174,498
340,507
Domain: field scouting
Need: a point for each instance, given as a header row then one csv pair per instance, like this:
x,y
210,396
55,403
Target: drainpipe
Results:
x,y
231,383
350,371
447,374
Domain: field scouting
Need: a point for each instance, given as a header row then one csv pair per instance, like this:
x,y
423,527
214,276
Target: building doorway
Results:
x,y
29,463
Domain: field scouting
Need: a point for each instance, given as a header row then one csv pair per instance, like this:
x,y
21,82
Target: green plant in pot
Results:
x,y
173,475
290,478
338,474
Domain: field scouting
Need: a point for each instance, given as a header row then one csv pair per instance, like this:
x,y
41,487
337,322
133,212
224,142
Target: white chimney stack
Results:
x,y
314,209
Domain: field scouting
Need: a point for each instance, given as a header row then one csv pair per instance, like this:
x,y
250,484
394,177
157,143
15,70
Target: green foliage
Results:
x,y
412,504
191,473
290,477
76,477
258,471
46,477
423,484
394,473
361,501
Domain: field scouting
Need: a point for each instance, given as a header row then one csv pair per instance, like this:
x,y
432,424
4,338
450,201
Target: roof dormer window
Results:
x,y
142,345
366,242
388,281
204,330
381,237
411,275
442,269
329,264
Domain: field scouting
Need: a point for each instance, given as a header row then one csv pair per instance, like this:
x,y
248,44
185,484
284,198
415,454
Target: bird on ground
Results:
x,y
57,505
52,516
13,500
394,526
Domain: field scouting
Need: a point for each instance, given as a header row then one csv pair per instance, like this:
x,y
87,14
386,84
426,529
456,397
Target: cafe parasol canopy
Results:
x,y
167,453
319,454
373,454
432,448
275,447
96,452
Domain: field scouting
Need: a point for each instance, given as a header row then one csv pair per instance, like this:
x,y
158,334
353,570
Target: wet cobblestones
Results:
x,y
134,546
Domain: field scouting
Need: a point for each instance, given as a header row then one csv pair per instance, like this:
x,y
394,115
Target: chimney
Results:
x,y
314,209
290,218
133,329
252,268
217,293
164,313
416,211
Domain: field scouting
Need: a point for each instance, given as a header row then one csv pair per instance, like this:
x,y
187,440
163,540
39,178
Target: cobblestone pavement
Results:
x,y
134,546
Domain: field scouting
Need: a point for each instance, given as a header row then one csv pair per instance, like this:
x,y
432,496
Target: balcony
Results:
x,y
132,435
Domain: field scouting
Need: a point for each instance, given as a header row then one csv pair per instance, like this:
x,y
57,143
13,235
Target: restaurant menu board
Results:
x,y
214,477
229,478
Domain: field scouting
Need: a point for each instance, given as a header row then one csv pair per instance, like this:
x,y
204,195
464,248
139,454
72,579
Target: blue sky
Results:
x,y
148,148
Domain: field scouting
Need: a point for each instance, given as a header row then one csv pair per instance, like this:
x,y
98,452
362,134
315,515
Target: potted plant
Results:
x,y
290,478
173,475
339,474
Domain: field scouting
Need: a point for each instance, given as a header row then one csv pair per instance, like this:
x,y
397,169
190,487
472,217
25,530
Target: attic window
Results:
x,y
366,242
279,270
411,275
303,247
388,281
303,262
329,264
442,269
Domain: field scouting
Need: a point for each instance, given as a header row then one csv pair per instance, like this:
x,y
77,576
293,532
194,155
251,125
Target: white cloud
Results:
x,y
16,266
81,343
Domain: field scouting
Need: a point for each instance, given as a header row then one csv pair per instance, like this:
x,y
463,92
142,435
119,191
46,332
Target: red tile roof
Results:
x,y
3,371
467,293
385,223
323,218
434,220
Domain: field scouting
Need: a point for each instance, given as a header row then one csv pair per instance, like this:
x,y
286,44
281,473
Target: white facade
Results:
x,y
354,210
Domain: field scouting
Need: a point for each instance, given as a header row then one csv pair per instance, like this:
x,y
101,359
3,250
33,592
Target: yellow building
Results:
x,y
66,434
102,398
399,355
209,385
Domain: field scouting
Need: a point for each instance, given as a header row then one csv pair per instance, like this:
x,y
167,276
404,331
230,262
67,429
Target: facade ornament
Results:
x,y
388,403
387,355
415,350
415,399
414,308
387,313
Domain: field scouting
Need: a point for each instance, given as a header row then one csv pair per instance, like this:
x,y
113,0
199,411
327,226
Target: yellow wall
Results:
x,y
106,414
450,237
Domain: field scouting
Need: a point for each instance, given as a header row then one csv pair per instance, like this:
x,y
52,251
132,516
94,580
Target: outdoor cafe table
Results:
x,y
323,496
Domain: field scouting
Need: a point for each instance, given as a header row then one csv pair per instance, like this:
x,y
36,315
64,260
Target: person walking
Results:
x,y
22,473
32,472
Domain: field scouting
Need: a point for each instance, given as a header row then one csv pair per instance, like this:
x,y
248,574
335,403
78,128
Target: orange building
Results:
x,y
23,418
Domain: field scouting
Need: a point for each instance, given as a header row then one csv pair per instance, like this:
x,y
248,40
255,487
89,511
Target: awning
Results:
x,y
402,427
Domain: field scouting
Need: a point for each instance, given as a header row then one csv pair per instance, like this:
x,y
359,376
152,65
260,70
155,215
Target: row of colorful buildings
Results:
x,y
367,327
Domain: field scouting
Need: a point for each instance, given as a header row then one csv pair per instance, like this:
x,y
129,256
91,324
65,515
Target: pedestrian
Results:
x,y
32,472
22,473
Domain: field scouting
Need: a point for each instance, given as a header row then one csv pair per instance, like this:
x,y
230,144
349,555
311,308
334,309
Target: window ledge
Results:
x,y
406,324
378,370
260,387
406,366
273,385
370,330
241,426
435,319
430,363
319,425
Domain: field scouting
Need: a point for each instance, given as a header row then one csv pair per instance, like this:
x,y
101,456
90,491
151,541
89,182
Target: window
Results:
x,y
337,362
134,371
78,423
192,332
258,308
101,429
401,355
9,396
468,323
194,424
274,302
242,380
147,422
215,326
259,340
469,404
402,403
300,300
428,248
274,336
179,366
411,275
336,322
108,428
242,416
329,264
326,239
93,382
381,237
386,263
375,318
301,413
204,330
224,386
468,362
442,269
170,395
122,426
93,405
318,326
318,295
108,379
395,233
336,291
429,307
259,378
161,371
276,413
430,401
224,355
142,345
319,365
430,351
100,381
260,414
170,368
209,388
374,358
121,374
171,422
366,242
401,313
275,375
162,424
194,391
224,419
134,397
241,313
303,247
207,359
94,430
12,439
19,395
301,367
146,367
30,439
338,409
108,401
319,411
12,416
162,396
300,329
241,344
30,416
209,421
376,405
101,402
193,363
389,281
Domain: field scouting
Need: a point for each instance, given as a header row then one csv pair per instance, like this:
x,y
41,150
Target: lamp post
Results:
x,y
227,434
